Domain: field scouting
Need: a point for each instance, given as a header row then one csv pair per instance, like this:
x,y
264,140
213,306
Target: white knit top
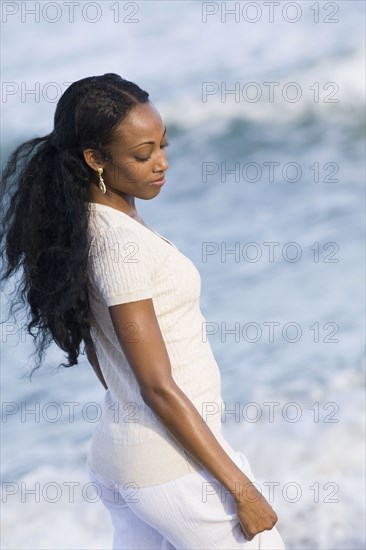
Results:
x,y
129,262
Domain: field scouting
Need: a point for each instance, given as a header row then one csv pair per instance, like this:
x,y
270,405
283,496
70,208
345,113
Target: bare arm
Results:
x,y
148,357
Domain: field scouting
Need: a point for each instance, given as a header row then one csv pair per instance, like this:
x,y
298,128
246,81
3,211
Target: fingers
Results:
x,y
246,535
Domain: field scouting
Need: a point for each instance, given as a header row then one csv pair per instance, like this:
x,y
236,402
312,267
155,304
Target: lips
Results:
x,y
161,181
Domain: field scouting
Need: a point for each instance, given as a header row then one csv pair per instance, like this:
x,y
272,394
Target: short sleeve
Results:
x,y
120,266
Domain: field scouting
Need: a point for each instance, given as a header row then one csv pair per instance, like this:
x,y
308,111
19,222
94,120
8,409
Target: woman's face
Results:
x,y
137,155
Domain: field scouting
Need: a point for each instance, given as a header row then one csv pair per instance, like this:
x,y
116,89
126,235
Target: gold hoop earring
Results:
x,y
102,186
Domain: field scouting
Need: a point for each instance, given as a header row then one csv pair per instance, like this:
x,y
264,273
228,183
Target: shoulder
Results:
x,y
120,248
118,234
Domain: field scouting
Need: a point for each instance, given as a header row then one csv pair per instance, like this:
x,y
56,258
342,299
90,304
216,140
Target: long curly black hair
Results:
x,y
45,188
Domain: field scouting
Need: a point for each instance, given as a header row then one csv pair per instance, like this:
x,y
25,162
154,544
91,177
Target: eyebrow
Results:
x,y
147,142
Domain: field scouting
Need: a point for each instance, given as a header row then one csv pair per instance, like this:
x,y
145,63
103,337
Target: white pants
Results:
x,y
188,513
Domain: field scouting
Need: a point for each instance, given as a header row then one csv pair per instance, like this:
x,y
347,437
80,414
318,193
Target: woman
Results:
x,y
94,272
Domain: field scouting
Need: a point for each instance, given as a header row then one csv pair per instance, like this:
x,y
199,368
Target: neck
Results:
x,y
120,201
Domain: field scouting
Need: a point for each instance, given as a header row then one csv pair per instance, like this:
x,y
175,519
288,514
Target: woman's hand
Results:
x,y
254,512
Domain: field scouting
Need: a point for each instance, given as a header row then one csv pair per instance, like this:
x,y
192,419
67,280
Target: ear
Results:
x,y
92,158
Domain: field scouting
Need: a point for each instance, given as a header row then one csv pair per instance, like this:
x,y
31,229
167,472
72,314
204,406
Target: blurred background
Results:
x,y
275,172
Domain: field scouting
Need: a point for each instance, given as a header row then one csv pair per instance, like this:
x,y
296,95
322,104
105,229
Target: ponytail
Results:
x,y
45,188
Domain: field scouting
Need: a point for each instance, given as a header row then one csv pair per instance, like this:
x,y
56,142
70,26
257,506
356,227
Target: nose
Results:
x,y
162,164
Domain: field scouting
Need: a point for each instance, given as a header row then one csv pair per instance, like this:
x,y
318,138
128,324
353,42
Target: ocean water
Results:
x,y
279,243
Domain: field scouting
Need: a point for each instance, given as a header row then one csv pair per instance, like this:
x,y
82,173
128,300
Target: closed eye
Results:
x,y
139,159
